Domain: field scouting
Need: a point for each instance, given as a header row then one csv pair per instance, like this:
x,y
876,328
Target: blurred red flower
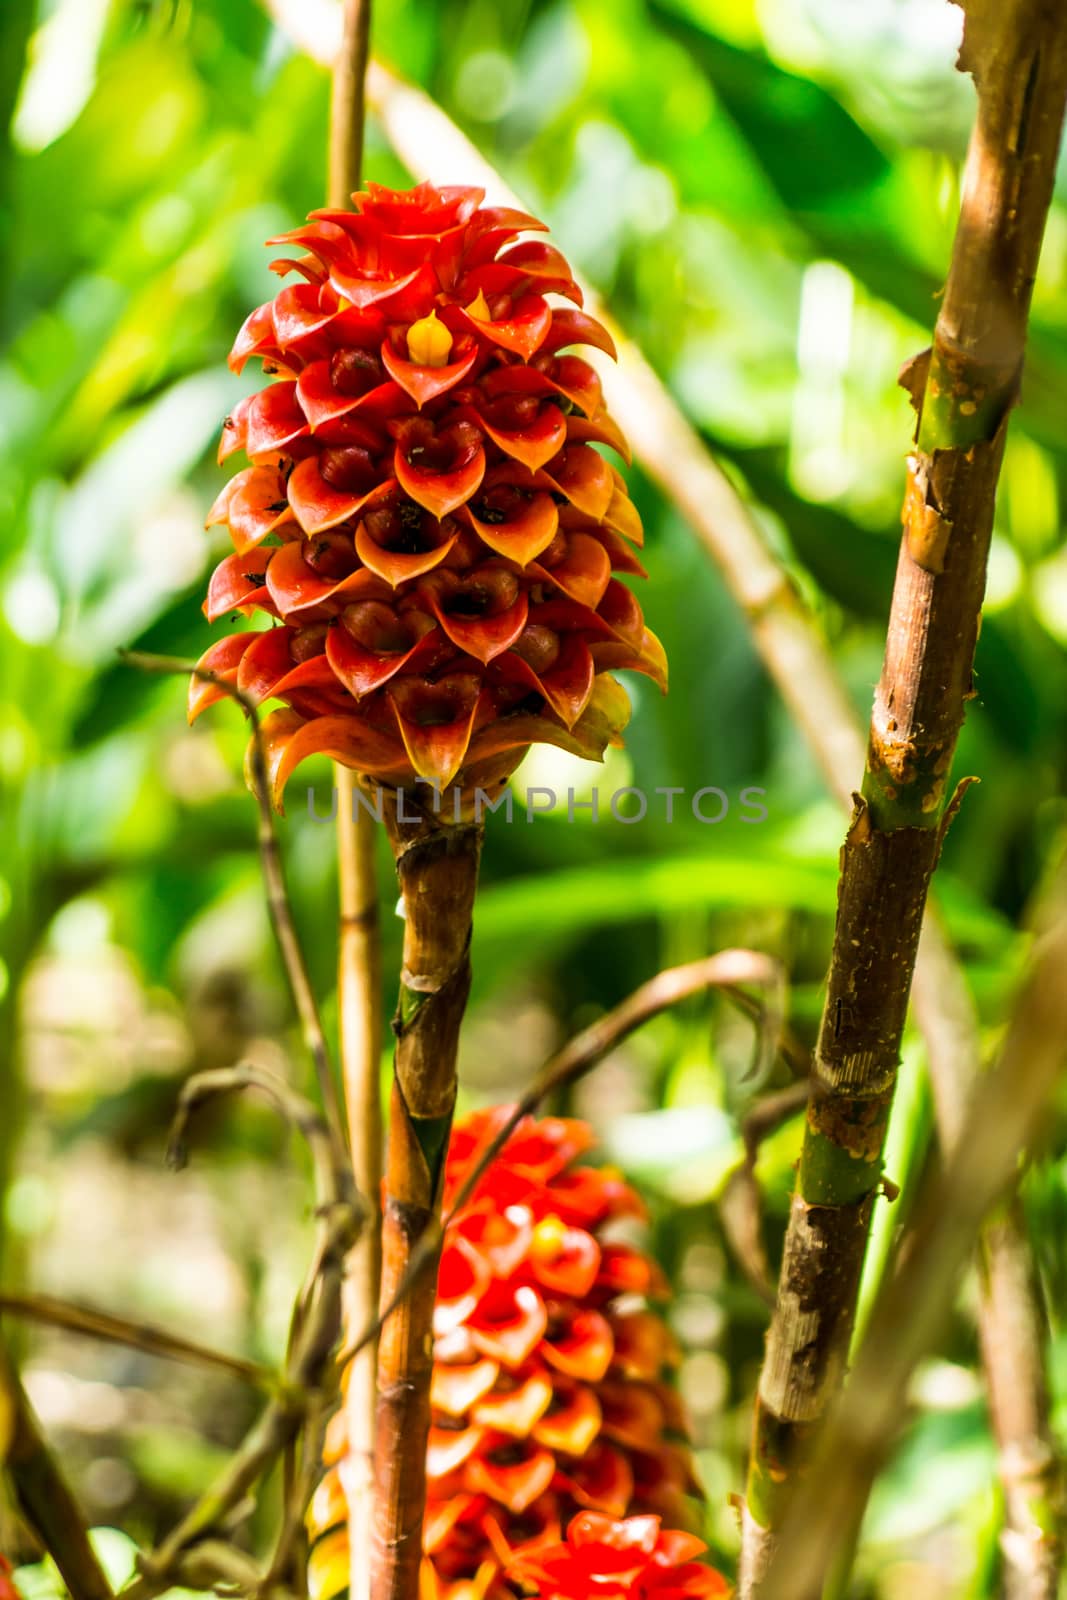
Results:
x,y
551,1385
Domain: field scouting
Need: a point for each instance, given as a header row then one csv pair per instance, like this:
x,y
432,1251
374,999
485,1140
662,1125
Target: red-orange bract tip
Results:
x,y
8,1589
552,1401
632,1557
428,444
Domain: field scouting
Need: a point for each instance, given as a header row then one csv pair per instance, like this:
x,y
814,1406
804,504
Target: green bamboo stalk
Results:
x,y
963,389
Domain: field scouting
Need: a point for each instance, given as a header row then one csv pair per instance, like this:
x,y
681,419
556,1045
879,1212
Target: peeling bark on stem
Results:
x,y
437,867
963,392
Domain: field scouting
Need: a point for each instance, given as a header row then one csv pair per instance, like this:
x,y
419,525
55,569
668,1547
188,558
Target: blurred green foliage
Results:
x,y
765,194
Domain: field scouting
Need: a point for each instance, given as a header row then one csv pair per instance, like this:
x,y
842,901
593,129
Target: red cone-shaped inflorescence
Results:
x,y
425,517
611,1559
8,1591
551,1385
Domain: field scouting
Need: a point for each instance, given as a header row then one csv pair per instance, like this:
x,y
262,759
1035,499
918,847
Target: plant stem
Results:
x,y
437,867
347,104
360,1025
43,1495
359,944
963,391
359,964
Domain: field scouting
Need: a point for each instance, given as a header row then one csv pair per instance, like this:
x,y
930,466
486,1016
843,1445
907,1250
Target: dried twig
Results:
x,y
333,1179
278,903
316,1326
44,1497
96,1324
292,1532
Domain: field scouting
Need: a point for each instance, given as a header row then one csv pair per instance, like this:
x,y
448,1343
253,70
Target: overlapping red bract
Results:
x,y
8,1589
630,1559
551,1387
424,517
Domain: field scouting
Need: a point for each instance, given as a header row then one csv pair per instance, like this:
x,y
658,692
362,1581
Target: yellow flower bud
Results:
x,y
478,308
429,342
548,1237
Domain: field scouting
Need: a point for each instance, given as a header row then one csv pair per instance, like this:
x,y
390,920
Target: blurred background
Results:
x,y
765,192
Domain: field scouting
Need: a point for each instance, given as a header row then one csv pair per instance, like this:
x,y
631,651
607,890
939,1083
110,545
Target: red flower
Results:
x,y
551,1392
424,517
632,1559
8,1591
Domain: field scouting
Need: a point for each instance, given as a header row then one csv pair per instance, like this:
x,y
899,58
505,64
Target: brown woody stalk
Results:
x,y
359,974
42,1492
963,390
437,867
1004,1116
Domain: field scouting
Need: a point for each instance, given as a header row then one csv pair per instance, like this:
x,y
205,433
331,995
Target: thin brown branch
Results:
x,y
347,106
333,1179
359,970
43,1494
153,1341
796,1056
278,902
1005,1115
580,1055
315,1329
1012,1320
359,986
